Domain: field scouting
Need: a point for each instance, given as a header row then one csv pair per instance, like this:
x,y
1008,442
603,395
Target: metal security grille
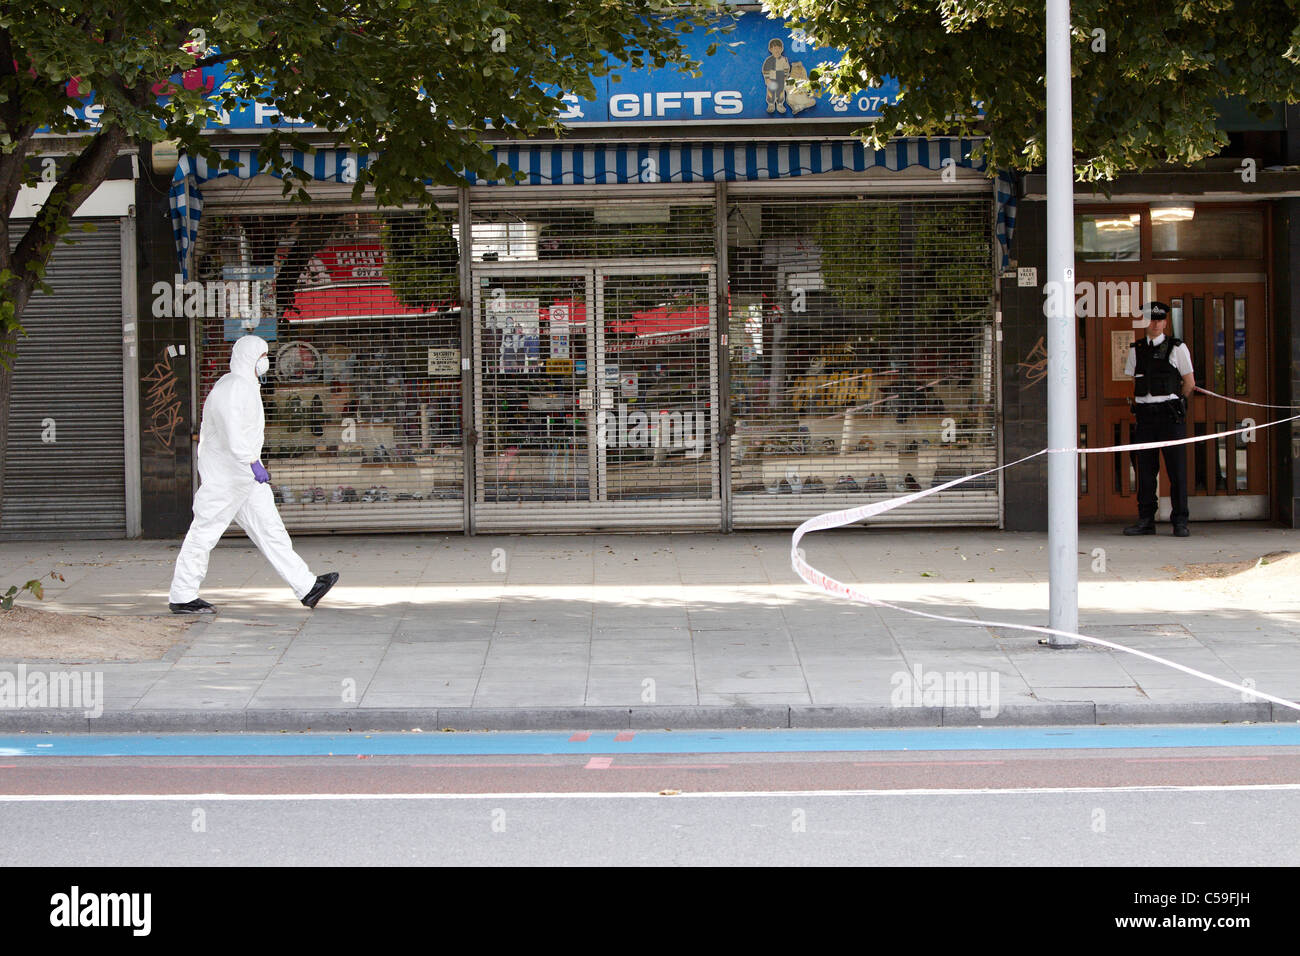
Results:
x,y
861,356
65,472
596,375
363,398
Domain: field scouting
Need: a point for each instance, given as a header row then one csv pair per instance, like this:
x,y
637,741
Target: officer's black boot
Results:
x,y
1144,526
1180,529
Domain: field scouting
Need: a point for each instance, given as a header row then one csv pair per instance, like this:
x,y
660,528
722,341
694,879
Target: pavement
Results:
x,y
445,632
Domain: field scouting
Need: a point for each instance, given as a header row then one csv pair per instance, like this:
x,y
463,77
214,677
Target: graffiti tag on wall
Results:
x,y
1034,367
162,402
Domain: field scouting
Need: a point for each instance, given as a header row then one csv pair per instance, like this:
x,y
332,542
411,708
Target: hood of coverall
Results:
x,y
244,356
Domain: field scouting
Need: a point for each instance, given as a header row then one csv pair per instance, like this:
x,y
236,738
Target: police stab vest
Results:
x,y
1153,373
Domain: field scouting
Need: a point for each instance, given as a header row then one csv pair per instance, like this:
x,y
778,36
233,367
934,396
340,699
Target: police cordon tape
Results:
x,y
1242,401
838,519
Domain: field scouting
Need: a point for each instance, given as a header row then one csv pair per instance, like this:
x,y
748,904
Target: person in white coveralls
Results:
x,y
236,486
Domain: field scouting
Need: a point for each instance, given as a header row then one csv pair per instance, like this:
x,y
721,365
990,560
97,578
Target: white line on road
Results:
x,y
638,795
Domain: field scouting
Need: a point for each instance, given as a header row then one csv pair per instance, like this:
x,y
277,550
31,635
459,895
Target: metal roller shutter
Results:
x,y
596,366
362,310
861,356
66,467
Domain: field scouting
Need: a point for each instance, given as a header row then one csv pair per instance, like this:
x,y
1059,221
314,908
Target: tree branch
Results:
x,y
87,171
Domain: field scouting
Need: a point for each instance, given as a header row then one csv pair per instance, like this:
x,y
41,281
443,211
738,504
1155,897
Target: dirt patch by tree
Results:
x,y
1276,562
1267,581
28,633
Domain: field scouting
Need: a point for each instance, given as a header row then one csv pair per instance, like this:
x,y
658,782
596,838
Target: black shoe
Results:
x,y
1180,530
1142,527
323,583
197,606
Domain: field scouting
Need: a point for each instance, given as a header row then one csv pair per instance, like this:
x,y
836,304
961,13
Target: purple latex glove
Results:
x,y
260,472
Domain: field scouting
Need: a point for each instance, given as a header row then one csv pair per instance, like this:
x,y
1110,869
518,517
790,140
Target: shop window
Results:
x,y
861,347
595,230
362,314
504,241
1108,237
1210,233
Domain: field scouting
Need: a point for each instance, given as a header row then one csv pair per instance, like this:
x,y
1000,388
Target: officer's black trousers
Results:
x,y
1161,421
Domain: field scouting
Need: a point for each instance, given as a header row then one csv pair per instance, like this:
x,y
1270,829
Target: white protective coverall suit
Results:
x,y
230,440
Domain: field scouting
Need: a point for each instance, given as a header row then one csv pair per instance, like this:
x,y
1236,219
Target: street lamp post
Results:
x,y
1062,408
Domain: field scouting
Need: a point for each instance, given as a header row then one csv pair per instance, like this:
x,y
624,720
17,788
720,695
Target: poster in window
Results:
x,y
518,324
1119,345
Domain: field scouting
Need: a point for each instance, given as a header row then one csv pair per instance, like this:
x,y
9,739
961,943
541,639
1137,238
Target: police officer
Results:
x,y
1161,367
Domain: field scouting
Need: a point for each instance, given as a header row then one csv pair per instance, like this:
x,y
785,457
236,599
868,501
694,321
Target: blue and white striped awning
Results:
x,y
733,162
620,164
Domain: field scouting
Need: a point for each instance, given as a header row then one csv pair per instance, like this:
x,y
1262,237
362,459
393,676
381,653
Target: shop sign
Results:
x,y
755,75
758,73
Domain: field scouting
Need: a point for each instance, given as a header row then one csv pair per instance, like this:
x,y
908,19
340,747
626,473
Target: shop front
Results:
x,y
696,355
708,307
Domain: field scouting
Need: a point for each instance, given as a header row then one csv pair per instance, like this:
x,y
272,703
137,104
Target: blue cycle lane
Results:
x,y
649,741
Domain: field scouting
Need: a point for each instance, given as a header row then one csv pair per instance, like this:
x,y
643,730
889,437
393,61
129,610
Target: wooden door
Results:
x,y
1107,483
1223,325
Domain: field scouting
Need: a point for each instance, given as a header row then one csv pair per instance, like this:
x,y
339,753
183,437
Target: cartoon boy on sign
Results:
x,y
776,68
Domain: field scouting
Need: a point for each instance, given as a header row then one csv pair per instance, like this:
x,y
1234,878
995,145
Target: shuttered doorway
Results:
x,y
66,461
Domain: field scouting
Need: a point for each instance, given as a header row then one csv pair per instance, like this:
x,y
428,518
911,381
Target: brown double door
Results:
x,y
1223,326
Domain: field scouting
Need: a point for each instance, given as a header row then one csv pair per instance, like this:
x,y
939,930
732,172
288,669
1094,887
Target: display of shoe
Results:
x,y
349,495
845,483
336,496
323,583
287,495
910,483
382,494
197,606
814,486
318,494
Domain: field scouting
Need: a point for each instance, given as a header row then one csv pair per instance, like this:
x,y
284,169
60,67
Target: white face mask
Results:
x,y
263,366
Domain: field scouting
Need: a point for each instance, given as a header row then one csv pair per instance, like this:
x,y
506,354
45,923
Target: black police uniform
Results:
x,y
1159,421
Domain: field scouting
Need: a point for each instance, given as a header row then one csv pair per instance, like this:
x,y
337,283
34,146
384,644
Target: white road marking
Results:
x,y
638,795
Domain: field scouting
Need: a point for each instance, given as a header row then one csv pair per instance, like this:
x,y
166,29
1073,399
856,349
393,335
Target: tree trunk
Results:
x,y
9,345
